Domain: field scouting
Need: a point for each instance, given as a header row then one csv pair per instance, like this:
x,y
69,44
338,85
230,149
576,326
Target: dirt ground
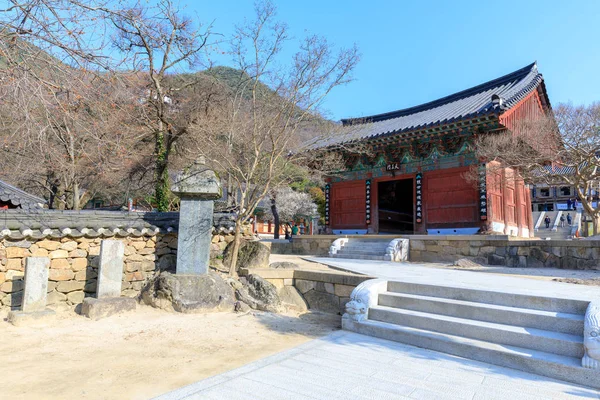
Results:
x,y
140,354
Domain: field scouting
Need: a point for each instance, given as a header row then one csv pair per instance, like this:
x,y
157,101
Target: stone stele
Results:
x,y
36,284
35,292
197,188
111,268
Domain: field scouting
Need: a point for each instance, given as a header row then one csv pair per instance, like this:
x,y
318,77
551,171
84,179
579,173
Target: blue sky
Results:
x,y
418,51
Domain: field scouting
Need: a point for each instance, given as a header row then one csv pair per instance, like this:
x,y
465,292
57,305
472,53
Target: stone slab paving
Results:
x,y
423,273
346,365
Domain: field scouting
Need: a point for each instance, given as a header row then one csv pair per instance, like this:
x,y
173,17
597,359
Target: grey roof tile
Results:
x,y
469,103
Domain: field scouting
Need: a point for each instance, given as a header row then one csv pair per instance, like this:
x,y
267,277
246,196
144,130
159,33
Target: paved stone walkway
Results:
x,y
345,365
426,273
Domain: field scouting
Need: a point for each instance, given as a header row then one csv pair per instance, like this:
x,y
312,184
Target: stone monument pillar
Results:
x,y
35,292
108,299
197,189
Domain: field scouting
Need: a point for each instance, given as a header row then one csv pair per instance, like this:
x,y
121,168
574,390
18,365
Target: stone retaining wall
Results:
x,y
566,254
71,239
494,250
324,291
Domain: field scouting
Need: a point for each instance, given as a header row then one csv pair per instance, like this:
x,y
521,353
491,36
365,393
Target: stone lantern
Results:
x,y
198,188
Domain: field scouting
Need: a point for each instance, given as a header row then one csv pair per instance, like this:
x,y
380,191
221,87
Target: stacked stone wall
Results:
x,y
74,266
324,291
565,254
71,240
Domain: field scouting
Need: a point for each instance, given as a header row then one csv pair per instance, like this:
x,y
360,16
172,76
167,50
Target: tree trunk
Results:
x,y
161,189
275,218
596,220
76,204
237,240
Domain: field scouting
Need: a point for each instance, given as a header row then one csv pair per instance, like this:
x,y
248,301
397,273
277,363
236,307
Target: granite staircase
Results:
x,y
540,335
363,249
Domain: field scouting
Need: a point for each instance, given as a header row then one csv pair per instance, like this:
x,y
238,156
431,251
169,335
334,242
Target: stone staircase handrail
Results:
x,y
539,220
364,296
556,221
337,245
397,250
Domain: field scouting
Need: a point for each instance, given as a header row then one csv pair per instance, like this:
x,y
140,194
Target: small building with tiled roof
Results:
x,y
12,197
413,179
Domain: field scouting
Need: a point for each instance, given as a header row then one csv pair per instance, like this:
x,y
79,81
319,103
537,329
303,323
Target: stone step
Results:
x,y
355,256
366,246
532,302
530,338
547,320
362,251
537,362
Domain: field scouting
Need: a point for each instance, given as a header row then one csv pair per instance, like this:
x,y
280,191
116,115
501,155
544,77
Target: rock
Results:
x,y
322,301
48,245
59,254
68,246
138,245
55,297
21,318
304,286
259,294
12,286
60,275
167,262
78,264
14,264
75,297
13,299
242,307
250,255
101,308
70,286
189,293
12,275
60,263
78,253
292,299
39,252
284,265
16,252
470,263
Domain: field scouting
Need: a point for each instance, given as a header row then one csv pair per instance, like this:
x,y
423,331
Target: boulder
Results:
x,y
292,299
284,265
321,301
259,294
189,293
252,254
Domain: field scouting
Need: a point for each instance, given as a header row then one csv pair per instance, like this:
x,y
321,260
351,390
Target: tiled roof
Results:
x,y
24,225
473,102
19,198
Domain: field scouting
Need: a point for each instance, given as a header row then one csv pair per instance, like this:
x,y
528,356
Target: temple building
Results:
x,y
417,176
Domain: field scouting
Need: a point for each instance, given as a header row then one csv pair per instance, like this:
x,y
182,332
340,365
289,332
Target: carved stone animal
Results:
x,y
591,336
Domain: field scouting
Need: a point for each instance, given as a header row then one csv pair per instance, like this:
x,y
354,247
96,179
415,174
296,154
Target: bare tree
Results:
x,y
158,40
258,142
292,204
558,149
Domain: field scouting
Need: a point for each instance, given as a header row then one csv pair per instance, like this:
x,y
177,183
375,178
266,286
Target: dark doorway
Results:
x,y
395,205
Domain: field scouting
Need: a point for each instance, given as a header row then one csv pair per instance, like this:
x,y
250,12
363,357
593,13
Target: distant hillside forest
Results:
x,y
88,138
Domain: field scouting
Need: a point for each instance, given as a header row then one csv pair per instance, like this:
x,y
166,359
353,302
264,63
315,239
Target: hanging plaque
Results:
x,y
483,206
392,167
368,201
327,189
419,197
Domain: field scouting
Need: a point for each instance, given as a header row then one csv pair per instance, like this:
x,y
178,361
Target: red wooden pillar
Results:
x,y
505,201
519,207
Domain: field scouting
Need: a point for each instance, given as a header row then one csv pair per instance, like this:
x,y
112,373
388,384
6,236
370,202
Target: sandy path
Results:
x,y
142,354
